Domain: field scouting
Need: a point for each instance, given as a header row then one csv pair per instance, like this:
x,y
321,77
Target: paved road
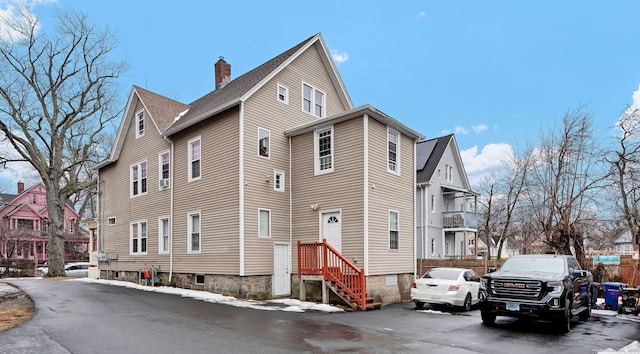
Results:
x,y
79,317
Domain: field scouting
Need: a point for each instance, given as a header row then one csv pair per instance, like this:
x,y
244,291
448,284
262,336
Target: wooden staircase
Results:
x,y
340,275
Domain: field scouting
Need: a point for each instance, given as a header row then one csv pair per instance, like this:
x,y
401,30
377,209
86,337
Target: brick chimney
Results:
x,y
223,73
20,187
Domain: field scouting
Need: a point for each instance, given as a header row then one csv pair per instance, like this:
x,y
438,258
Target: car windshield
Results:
x,y
439,273
533,264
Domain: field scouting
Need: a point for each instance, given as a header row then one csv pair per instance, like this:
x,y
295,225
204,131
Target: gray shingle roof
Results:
x,y
163,110
233,91
428,154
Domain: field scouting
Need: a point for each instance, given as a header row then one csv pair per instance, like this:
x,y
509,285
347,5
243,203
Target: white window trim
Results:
x,y
189,152
109,221
313,100
398,136
137,123
160,240
160,167
140,193
282,181
259,228
286,93
139,223
389,229
433,203
268,143
316,151
190,230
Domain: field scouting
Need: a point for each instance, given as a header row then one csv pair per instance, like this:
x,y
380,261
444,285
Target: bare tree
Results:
x,y
58,97
564,181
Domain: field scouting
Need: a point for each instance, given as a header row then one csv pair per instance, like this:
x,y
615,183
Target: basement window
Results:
x,y
198,279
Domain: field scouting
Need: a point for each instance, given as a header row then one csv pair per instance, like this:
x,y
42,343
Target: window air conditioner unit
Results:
x,y
164,183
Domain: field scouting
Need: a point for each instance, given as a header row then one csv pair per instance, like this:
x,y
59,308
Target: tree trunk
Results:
x,y
55,246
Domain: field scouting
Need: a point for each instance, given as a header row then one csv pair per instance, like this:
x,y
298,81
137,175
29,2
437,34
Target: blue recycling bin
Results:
x,y
611,294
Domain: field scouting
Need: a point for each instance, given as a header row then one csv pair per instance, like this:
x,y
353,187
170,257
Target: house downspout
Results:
x,y
290,216
171,209
241,187
366,195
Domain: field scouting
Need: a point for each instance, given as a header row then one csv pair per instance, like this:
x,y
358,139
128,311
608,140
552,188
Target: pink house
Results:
x,y
23,231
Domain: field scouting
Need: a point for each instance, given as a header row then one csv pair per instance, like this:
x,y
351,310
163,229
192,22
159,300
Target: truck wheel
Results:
x,y
564,323
585,314
488,318
419,304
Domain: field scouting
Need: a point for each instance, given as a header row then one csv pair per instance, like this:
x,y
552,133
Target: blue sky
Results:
x,y
494,72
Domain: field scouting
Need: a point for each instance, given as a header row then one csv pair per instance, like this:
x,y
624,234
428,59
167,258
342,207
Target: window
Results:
x,y
283,94
198,279
312,100
393,230
193,243
163,235
448,173
139,179
194,158
278,181
34,199
433,203
25,224
393,143
72,223
265,223
111,221
323,151
139,237
139,124
164,160
263,142
433,246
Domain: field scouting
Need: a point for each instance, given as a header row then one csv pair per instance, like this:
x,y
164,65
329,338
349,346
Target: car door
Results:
x,y
473,282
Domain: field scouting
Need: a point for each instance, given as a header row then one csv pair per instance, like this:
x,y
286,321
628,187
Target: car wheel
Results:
x,y
488,318
419,304
564,323
467,303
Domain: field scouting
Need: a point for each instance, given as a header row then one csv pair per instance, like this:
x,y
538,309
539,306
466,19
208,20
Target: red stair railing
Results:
x,y
320,258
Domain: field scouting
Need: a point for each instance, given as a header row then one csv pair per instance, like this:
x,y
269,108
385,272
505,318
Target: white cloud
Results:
x,y
636,98
458,129
492,157
16,14
422,14
480,128
339,57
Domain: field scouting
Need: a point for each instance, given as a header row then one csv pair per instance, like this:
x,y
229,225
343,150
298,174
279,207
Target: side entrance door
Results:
x,y
331,229
281,275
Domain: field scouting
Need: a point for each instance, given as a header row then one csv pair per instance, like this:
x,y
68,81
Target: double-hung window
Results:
x,y
163,235
393,155
194,237
393,230
139,237
139,124
165,163
263,142
313,100
323,150
139,179
195,150
278,181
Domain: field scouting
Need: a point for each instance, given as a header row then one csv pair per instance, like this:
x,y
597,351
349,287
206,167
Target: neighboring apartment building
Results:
x,y
446,219
23,232
217,193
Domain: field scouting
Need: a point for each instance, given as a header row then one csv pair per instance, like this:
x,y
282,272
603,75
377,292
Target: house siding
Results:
x,y
263,110
391,192
341,190
116,201
215,195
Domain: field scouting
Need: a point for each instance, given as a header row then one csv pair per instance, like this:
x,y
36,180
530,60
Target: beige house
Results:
x,y
221,193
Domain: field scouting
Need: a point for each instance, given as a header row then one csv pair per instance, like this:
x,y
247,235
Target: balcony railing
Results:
x,y
459,219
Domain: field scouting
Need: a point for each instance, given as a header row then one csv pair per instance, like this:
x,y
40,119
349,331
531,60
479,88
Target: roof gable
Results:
x,y
241,88
429,153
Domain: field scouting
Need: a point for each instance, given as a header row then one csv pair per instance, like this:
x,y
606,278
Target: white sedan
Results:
x,y
74,270
447,286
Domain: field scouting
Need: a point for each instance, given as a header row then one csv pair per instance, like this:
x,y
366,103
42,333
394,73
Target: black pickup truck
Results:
x,y
540,287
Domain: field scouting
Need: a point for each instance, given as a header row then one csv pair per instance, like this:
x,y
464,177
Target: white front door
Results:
x,y
331,229
281,277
